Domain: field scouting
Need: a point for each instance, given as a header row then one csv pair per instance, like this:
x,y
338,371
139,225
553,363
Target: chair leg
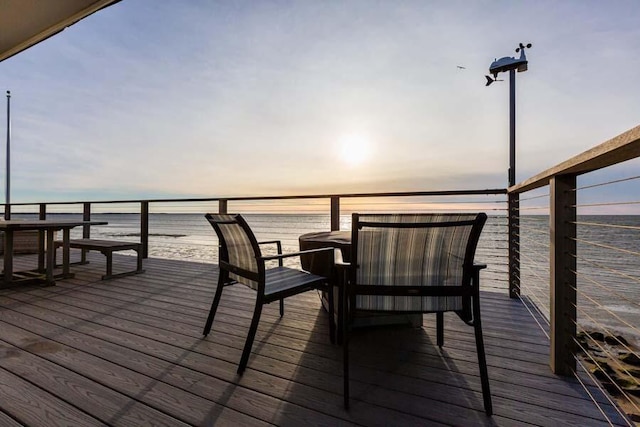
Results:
x,y
250,337
482,360
332,320
440,328
345,348
281,307
341,313
214,306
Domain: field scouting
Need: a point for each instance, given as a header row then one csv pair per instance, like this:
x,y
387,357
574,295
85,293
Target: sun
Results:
x,y
355,149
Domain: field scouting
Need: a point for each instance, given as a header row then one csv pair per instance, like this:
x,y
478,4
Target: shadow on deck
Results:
x,y
130,352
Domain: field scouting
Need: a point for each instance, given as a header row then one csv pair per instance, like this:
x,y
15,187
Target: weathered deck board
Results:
x,y
131,349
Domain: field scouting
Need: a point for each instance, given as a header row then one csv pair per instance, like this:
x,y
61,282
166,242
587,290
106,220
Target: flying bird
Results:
x,y
460,67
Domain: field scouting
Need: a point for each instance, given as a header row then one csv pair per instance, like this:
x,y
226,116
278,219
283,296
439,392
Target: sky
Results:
x,y
173,98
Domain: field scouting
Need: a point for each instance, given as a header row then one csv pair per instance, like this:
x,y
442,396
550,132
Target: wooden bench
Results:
x,y
107,248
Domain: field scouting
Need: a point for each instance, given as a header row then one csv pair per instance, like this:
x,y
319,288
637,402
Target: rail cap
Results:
x,y
623,147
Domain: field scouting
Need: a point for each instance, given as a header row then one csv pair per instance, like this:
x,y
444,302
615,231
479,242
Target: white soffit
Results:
x,y
24,23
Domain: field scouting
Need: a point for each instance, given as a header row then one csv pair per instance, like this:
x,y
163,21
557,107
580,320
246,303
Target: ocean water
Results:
x,y
608,254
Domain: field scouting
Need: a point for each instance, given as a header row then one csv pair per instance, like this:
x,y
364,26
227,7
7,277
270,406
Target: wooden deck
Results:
x,y
130,352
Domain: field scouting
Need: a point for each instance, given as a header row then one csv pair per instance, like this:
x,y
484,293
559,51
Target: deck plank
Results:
x,y
135,343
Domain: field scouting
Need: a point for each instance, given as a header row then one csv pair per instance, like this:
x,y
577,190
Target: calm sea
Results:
x,y
608,253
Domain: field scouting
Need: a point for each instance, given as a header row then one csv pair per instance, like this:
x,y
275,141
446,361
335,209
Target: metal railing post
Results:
x,y
86,216
335,213
7,212
514,244
86,229
42,215
563,278
144,228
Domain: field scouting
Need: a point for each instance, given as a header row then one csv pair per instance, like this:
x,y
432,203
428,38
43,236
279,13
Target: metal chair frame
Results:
x,y
289,281
468,289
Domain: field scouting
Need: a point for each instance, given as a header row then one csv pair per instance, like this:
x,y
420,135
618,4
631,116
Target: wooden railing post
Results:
x,y
42,215
335,213
563,278
222,206
144,228
514,244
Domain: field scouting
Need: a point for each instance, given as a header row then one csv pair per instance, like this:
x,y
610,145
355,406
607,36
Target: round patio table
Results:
x,y
320,264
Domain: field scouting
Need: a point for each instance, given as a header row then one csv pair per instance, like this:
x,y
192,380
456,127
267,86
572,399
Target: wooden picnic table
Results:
x,y
48,227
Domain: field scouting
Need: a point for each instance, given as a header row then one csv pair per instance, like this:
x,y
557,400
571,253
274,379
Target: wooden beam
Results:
x,y
563,278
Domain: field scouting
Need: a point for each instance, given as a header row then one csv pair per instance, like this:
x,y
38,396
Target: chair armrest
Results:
x,y
277,242
338,261
292,254
477,266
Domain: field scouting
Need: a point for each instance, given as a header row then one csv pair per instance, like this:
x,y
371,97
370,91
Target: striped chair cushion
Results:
x,y
430,256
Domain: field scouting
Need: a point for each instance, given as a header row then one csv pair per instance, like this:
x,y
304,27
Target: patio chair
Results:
x,y
241,261
415,263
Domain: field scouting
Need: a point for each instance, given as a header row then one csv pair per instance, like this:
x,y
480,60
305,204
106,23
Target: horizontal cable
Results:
x,y
603,369
532,218
533,230
590,205
537,304
615,360
598,305
612,270
533,242
607,183
533,208
533,260
605,246
599,224
534,273
597,383
534,197
542,328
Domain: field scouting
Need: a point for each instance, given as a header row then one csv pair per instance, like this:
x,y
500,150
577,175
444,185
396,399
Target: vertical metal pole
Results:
x,y
222,206
514,199
8,169
41,241
512,128
335,213
86,230
513,217
144,228
86,216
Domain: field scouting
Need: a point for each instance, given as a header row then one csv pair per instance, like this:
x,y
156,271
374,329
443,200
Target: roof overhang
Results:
x,y
23,23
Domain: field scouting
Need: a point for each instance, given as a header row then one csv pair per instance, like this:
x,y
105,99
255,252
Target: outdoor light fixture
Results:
x,y
510,64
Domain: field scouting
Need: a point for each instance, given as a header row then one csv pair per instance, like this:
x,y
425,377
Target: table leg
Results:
x,y
51,261
41,251
8,257
65,252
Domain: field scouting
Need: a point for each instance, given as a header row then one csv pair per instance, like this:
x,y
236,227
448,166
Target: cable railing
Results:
x,y
587,258
177,228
